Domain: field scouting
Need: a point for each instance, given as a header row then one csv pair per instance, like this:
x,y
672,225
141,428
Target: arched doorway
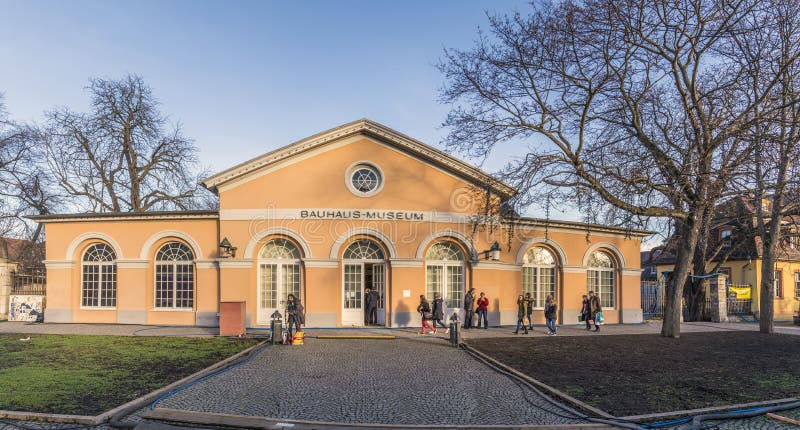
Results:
x,y
364,266
278,276
444,274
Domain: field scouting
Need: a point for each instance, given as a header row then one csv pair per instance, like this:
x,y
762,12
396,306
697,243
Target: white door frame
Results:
x,y
264,315
355,317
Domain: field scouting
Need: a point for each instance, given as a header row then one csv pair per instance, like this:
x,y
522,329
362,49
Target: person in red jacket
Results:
x,y
483,310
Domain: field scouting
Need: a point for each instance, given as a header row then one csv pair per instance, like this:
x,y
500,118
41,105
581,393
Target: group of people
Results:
x,y
525,312
591,312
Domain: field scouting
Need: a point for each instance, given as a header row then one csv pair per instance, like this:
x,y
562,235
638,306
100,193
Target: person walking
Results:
x,y
424,309
530,309
438,312
483,311
586,312
294,314
550,308
469,308
522,312
594,309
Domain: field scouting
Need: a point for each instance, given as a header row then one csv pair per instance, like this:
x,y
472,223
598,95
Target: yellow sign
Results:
x,y
740,292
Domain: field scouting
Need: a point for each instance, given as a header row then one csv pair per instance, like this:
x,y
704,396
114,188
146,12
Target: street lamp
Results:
x,y
226,250
494,251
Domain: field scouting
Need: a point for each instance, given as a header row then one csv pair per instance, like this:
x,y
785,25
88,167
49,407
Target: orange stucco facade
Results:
x,y
304,195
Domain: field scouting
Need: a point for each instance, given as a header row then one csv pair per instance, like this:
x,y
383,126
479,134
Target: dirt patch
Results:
x,y
640,374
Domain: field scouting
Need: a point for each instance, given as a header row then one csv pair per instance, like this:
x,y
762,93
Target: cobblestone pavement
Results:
x,y
404,381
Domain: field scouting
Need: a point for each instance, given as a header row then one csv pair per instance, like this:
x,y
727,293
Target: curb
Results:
x,y
539,384
135,403
245,421
691,412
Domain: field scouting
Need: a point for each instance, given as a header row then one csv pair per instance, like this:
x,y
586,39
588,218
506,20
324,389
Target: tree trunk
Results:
x,y
766,302
689,231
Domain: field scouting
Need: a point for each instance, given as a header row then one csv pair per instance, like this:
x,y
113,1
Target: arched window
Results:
x,y
539,275
444,273
278,276
363,249
600,278
174,276
99,277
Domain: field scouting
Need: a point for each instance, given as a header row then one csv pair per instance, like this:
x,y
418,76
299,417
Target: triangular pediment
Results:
x,y
370,129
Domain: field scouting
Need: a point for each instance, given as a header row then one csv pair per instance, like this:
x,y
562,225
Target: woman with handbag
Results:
x,y
438,312
586,312
596,311
522,314
424,309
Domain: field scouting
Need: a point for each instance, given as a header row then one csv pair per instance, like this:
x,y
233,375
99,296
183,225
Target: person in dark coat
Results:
x,y
372,311
438,312
586,312
368,305
294,314
530,309
522,313
594,308
550,308
424,309
469,308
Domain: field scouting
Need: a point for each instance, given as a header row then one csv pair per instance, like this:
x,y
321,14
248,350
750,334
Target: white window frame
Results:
x,y
538,294
598,287
174,289
280,278
447,267
103,266
797,285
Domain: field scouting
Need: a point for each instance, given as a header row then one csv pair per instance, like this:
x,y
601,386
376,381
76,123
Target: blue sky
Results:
x,y
247,77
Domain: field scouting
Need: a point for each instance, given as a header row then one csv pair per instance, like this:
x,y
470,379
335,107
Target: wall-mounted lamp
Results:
x,y
494,251
226,250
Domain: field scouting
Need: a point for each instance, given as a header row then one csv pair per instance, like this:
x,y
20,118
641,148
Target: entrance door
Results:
x,y
364,266
276,282
278,276
353,299
379,285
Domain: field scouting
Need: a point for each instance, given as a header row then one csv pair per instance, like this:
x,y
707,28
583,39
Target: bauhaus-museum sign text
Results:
x,y
362,214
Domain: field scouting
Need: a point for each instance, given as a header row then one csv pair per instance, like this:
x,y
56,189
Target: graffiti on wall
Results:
x,y
25,307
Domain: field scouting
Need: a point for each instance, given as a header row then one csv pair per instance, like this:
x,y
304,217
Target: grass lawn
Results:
x,y
87,375
640,374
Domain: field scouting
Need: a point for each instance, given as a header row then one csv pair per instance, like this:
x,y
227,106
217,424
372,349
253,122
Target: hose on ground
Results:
x,y
697,421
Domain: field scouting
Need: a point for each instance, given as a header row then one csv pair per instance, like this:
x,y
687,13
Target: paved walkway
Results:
x,y
404,381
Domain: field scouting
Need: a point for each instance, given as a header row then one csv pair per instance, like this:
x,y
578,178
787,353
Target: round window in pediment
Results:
x,y
364,179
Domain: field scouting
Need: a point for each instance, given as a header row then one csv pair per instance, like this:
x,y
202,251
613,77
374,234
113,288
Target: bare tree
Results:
x,y
24,186
770,55
123,155
628,100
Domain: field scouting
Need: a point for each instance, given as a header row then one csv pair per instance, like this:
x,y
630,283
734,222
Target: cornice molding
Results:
x,y
326,263
59,264
370,128
132,264
235,264
406,262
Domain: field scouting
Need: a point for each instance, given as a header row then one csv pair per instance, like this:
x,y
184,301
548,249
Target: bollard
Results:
x,y
454,327
276,328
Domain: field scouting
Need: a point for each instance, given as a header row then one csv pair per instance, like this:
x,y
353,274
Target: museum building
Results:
x,y
357,206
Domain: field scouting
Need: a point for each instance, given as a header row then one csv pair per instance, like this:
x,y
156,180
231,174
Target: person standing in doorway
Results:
x,y
294,314
368,305
373,311
469,308
594,308
522,312
438,312
424,309
586,312
550,308
483,311
529,299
